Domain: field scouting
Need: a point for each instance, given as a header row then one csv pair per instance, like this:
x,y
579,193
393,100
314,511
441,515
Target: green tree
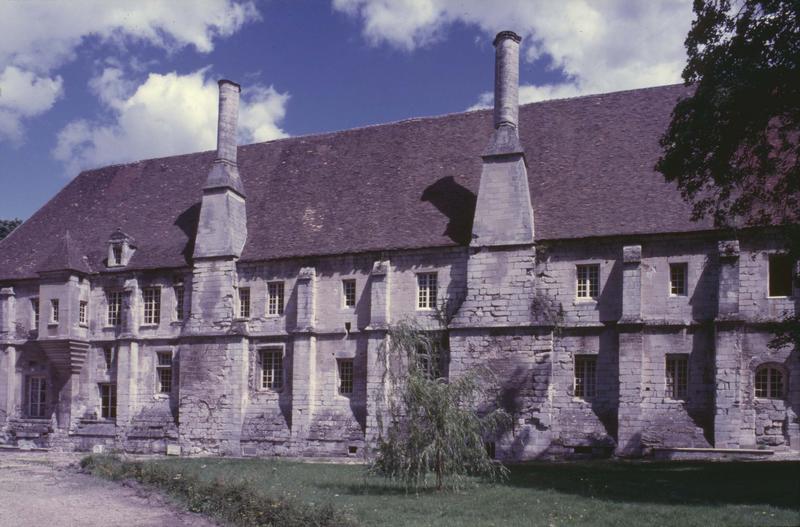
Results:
x,y
733,146
435,425
6,226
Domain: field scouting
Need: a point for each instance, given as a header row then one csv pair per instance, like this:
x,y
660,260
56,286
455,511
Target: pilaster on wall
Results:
x,y
376,366
629,414
213,296
379,294
127,382
130,309
728,347
632,283
7,313
8,385
304,357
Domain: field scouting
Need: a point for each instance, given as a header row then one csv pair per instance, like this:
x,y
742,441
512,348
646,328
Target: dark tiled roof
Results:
x,y
66,256
409,184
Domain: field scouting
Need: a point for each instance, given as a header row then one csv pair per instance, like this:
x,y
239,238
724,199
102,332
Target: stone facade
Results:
x,y
597,346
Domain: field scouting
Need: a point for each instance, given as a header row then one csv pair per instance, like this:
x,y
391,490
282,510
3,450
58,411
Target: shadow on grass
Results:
x,y
675,483
689,483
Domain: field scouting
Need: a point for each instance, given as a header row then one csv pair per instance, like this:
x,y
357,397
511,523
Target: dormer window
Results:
x,y
120,249
116,254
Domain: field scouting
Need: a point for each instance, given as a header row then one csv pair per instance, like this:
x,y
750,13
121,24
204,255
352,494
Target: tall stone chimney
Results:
x,y
505,139
222,228
503,213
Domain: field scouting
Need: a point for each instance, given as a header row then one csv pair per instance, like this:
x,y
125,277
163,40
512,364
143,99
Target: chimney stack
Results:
x,y
506,79
227,123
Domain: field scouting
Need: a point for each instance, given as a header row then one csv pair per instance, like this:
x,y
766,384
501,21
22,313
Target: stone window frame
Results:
x,y
35,310
272,386
179,291
108,400
39,402
165,372
683,291
151,307
349,290
676,376
792,265
345,379
278,307
770,369
54,312
427,292
116,254
109,356
243,303
587,370
114,301
587,295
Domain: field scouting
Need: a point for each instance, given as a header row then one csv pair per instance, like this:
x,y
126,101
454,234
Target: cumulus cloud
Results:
x,y
598,45
165,115
36,38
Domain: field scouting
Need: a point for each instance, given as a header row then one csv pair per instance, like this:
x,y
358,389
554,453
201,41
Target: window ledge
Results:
x,y
149,325
52,324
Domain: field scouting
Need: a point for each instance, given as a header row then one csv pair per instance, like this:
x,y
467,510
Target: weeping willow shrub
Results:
x,y
433,424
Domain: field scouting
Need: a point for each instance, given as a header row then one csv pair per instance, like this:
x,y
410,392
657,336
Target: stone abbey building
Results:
x,y
234,302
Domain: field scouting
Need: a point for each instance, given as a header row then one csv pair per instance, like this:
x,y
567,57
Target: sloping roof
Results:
x,y
403,185
64,257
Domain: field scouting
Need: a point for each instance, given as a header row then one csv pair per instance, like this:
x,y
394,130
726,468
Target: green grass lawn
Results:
x,y
575,493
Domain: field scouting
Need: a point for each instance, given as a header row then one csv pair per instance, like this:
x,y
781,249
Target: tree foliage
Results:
x,y
6,226
733,147
435,425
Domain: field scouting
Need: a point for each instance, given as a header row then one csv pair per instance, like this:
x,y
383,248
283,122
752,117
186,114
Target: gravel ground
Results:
x,y
46,490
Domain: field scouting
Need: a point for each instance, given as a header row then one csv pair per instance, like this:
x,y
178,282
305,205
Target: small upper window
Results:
x,y
116,253
108,357
244,302
275,298
769,382
349,293
114,311
677,279
54,311
83,307
152,305
780,275
180,294
588,281
427,289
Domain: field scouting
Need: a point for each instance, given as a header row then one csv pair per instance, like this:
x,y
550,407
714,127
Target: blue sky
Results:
x,y
87,83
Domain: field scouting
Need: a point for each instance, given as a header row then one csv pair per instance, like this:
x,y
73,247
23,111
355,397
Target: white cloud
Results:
x,y
37,38
165,115
24,94
599,45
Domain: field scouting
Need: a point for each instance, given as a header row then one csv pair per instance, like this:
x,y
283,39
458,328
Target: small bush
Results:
x,y
236,502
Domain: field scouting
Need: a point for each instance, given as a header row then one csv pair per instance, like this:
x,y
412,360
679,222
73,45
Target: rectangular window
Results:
x,y
83,307
37,397
108,401
152,305
349,293
426,290
244,302
588,281
585,376
164,372
780,275
677,377
114,312
272,369
345,376
116,250
275,298
108,357
179,301
35,309
54,311
677,279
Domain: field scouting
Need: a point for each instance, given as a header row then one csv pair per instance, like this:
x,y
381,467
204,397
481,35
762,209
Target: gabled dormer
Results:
x,y
120,249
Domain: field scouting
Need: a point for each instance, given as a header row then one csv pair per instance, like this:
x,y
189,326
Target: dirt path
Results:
x,y
41,489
